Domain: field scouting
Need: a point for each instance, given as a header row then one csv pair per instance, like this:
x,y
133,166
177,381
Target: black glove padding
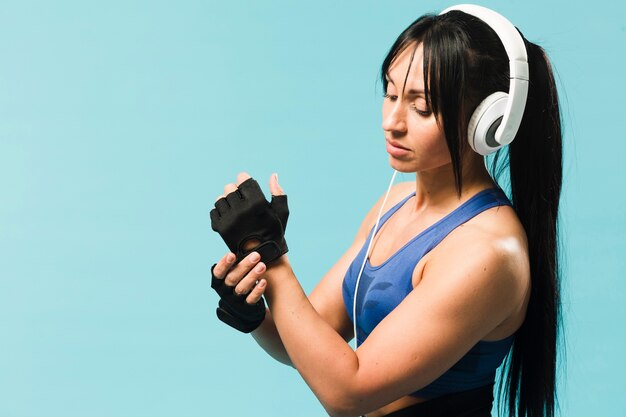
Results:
x,y
234,310
246,215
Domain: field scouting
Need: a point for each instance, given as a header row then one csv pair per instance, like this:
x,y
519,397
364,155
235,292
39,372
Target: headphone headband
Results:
x,y
518,67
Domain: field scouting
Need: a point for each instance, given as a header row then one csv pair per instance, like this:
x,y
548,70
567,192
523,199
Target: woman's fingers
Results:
x,y
257,292
248,282
242,176
229,188
275,189
223,265
245,276
239,271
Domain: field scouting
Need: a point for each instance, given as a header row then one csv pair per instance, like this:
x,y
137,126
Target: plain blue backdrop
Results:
x,y
121,121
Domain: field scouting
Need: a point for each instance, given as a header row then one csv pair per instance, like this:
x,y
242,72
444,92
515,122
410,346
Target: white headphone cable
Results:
x,y
367,251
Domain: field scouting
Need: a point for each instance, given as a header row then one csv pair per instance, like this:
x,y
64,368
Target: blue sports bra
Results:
x,y
383,287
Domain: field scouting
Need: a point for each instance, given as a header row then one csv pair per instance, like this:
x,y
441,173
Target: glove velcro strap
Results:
x,y
269,251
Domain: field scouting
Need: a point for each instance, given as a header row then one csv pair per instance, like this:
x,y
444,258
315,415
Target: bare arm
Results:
x,y
457,304
326,298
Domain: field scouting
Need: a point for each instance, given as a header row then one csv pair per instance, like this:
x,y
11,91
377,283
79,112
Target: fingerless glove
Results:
x,y
245,215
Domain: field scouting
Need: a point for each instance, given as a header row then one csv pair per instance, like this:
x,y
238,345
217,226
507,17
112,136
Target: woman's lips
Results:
x,y
396,150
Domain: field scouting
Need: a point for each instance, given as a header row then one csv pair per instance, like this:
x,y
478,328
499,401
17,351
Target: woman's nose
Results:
x,y
394,117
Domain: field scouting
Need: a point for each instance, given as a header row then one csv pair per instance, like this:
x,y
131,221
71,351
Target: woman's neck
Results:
x,y
436,188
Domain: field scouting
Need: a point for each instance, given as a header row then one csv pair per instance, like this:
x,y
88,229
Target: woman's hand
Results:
x,y
247,221
240,288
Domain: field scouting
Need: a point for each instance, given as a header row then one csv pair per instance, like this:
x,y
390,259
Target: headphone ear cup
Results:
x,y
484,123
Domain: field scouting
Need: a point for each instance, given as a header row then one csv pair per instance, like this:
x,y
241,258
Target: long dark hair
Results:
x,y
464,62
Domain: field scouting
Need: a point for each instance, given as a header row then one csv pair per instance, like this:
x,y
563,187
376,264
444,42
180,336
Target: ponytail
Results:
x,y
535,161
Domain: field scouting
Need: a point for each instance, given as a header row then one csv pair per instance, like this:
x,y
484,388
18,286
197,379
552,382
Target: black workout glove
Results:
x,y
245,215
234,310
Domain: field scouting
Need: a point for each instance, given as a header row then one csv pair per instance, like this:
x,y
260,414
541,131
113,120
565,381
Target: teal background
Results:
x,y
121,121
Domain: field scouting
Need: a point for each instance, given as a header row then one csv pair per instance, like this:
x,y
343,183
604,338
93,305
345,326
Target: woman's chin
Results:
x,y
400,166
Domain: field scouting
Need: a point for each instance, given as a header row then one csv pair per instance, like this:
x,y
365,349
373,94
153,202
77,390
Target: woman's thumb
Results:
x,y
275,189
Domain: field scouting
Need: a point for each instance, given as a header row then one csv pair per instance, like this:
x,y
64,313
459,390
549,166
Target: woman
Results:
x,y
457,276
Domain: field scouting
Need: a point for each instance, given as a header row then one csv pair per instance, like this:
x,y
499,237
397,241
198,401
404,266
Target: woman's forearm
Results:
x,y
268,338
317,351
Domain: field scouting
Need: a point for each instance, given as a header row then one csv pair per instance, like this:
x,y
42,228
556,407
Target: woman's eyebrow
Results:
x,y
414,92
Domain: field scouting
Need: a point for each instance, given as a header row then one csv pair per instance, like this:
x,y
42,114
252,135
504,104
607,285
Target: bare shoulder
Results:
x,y
496,232
489,254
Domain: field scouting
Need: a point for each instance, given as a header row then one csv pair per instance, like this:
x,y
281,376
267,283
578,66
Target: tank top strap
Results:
x,y
390,212
425,241
480,202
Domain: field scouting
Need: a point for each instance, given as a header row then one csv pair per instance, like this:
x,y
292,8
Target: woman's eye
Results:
x,y
421,112
391,97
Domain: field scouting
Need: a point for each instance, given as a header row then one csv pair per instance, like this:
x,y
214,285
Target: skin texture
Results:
x,y
481,295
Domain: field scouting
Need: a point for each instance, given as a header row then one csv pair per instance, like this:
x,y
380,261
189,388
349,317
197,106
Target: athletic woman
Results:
x,y
457,278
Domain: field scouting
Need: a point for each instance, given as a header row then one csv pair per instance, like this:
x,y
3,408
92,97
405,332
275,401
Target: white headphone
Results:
x,y
497,118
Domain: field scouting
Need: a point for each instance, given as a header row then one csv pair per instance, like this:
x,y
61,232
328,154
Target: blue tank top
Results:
x,y
383,287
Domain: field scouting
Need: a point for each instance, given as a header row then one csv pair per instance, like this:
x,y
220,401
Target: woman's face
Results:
x,y
414,140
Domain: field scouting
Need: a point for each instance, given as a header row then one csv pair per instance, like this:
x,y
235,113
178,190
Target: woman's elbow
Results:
x,y
336,410
342,404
